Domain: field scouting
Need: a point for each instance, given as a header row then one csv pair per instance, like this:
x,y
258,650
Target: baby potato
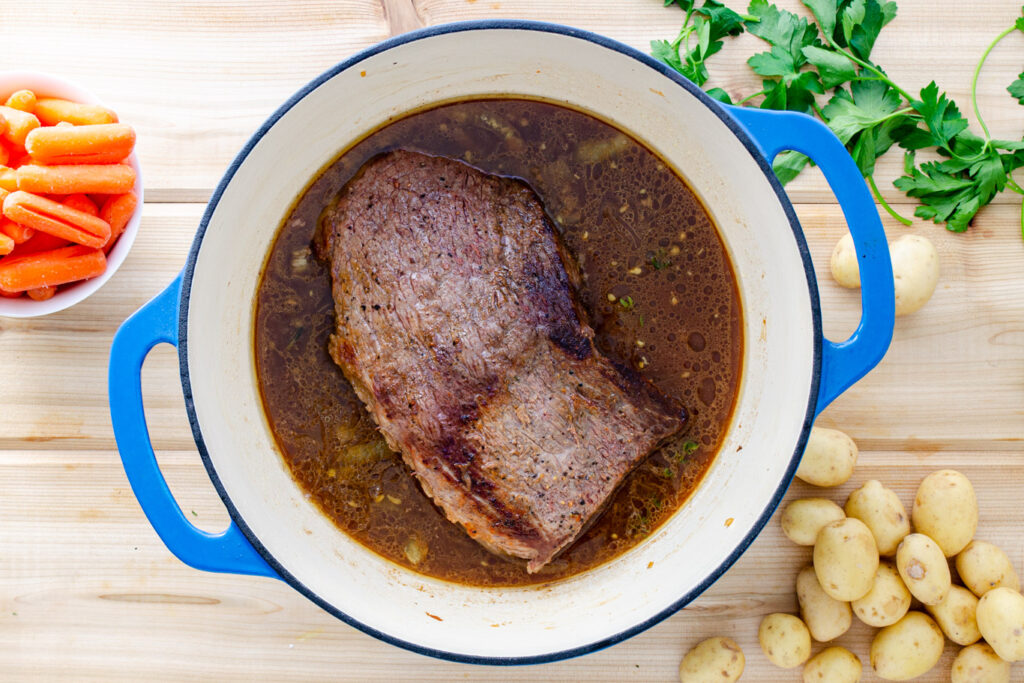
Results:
x,y
979,663
1001,622
828,459
984,566
844,263
833,665
915,271
845,559
785,640
946,510
803,519
825,617
923,568
715,659
887,601
880,508
956,616
907,649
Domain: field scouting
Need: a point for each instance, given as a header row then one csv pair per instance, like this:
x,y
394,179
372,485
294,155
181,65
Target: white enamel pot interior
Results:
x,y
780,365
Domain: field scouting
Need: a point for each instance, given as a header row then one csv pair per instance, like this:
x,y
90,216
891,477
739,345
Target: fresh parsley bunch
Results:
x,y
867,111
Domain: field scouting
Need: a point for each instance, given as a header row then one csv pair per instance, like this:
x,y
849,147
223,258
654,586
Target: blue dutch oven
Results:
x,y
790,371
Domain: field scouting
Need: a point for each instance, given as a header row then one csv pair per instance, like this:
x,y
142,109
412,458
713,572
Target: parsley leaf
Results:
x,y
862,21
941,118
835,68
707,25
1016,89
788,165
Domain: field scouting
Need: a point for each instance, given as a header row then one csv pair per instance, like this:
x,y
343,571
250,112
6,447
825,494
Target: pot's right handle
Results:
x,y
842,363
228,551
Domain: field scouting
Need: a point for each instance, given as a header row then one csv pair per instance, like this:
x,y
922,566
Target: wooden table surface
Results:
x,y
88,591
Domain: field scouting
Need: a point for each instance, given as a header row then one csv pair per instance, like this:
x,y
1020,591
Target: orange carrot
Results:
x,y
18,157
117,211
5,155
88,178
11,295
19,124
22,100
3,124
50,268
40,241
42,293
99,144
19,233
52,111
8,179
81,202
6,244
55,218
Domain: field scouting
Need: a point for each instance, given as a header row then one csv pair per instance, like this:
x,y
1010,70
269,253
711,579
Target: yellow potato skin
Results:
x,y
923,568
979,663
828,459
946,510
1001,622
881,510
845,559
802,519
825,617
785,640
957,616
907,649
833,665
887,601
984,566
718,660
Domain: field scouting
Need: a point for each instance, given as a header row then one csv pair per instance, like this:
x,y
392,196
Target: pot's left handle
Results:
x,y
228,551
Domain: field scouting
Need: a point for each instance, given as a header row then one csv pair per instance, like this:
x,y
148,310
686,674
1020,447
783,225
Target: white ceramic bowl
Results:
x,y
789,371
44,85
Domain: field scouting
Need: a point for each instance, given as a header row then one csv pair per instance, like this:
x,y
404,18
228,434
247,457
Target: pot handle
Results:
x,y
845,362
228,551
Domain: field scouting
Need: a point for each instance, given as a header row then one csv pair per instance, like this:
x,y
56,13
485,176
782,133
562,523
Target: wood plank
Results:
x,y
88,592
197,89
952,378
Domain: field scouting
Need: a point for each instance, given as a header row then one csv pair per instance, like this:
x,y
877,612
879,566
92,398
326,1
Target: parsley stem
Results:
x,y
885,205
977,72
870,67
750,97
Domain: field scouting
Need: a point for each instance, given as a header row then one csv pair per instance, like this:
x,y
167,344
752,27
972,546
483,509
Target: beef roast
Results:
x,y
459,328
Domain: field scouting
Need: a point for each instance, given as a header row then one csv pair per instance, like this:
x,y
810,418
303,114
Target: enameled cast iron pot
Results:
x,y
790,372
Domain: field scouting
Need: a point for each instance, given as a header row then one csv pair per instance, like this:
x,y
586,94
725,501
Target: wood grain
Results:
x,y
88,591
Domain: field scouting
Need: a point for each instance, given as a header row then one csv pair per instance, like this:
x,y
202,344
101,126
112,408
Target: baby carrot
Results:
x,y
81,202
52,111
51,268
19,233
3,124
40,241
55,218
8,179
70,179
19,124
42,293
100,144
11,295
117,211
22,100
6,244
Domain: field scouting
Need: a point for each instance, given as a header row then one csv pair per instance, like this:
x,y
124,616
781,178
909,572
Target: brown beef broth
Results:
x,y
619,208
